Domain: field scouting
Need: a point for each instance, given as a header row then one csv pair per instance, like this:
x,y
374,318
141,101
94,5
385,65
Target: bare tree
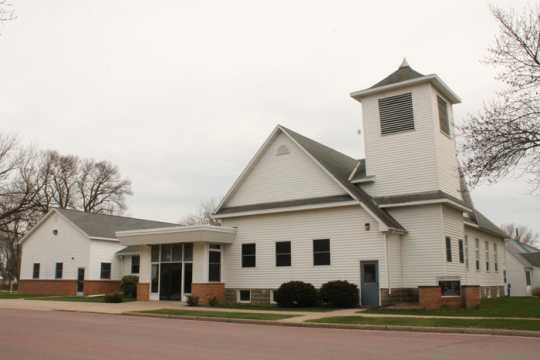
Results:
x,y
505,135
522,233
7,12
203,216
101,188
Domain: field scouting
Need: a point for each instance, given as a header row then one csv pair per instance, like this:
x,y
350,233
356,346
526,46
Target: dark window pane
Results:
x,y
461,253
188,252
166,252
59,269
450,288
448,249
321,245
528,278
321,258
370,273
135,264
444,122
155,253
177,252
188,277
155,277
215,247
283,247
35,271
248,255
215,257
245,295
283,260
214,272
106,271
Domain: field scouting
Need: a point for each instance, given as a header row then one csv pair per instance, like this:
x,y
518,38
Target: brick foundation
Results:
x,y
258,296
95,287
399,296
452,302
471,296
429,297
48,287
207,291
143,292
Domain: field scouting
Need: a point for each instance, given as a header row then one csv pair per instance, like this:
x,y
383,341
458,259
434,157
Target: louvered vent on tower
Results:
x,y
396,114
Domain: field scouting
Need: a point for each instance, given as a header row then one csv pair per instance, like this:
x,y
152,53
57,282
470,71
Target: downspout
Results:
x,y
387,263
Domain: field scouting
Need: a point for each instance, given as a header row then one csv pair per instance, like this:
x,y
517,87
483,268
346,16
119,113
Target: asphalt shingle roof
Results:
x,y
105,226
404,73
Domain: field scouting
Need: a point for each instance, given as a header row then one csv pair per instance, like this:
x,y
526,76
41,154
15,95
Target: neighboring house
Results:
x,y
400,224
522,268
71,252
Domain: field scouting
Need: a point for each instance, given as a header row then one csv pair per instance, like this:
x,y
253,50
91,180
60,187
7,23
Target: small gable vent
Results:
x,y
282,150
396,114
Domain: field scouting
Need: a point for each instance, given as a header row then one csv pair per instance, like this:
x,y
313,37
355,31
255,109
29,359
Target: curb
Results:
x,y
440,330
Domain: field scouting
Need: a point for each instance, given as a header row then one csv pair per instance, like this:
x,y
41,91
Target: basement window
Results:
x,y
244,296
450,288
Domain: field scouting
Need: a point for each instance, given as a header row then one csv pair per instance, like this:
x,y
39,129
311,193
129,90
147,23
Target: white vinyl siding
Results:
x,y
350,243
483,278
104,252
69,247
284,177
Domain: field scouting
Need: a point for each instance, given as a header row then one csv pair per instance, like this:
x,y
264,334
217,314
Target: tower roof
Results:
x,y
405,76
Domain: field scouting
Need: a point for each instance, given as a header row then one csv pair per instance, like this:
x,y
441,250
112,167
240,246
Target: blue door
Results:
x,y
369,284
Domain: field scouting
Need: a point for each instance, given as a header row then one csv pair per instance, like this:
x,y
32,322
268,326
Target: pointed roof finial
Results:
x,y
404,63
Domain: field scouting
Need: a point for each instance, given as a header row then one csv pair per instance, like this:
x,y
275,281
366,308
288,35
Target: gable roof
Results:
x,y
533,258
99,226
525,254
338,165
105,226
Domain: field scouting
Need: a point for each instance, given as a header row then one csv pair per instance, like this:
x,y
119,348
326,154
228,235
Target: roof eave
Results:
x,y
433,79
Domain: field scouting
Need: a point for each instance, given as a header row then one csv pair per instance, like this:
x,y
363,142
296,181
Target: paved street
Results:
x,y
52,335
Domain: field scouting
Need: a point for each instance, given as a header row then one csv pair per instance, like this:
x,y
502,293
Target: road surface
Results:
x,y
53,335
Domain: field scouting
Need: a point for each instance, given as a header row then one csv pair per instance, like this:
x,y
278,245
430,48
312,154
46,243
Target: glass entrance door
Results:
x,y
170,281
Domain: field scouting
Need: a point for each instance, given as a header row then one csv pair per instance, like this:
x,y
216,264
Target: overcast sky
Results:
x,y
180,94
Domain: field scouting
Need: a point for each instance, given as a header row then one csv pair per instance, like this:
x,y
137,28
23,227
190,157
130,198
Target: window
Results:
x,y
461,252
448,249
528,278
105,270
188,252
486,243
188,277
495,257
35,271
155,278
273,296
477,254
214,264
244,296
467,252
321,252
450,288
135,264
504,276
59,270
396,114
248,255
283,253
444,122
155,253
177,252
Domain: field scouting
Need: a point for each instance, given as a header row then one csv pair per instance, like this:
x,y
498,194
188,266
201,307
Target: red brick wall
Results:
x,y
143,292
48,287
429,297
471,296
452,302
206,291
94,287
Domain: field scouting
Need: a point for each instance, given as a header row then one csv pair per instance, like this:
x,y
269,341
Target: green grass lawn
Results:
x,y
533,325
220,314
271,307
523,307
15,295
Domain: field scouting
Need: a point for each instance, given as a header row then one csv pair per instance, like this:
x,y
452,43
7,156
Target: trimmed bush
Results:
x,y
296,294
535,291
129,286
213,301
115,297
192,300
340,294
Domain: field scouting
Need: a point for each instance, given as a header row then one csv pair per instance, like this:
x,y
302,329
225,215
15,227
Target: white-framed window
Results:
x,y
477,253
450,288
467,252
244,296
495,257
214,263
486,243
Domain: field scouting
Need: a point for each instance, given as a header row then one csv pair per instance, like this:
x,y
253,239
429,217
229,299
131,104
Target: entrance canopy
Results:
x,y
178,234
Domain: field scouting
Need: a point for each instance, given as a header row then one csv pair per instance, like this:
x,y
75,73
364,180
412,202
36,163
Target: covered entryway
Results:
x,y
179,261
369,283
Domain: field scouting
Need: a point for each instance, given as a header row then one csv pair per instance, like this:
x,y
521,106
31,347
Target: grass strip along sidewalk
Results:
x,y
518,307
530,325
217,314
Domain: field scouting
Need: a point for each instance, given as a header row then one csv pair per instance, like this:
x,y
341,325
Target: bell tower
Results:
x,y
409,134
